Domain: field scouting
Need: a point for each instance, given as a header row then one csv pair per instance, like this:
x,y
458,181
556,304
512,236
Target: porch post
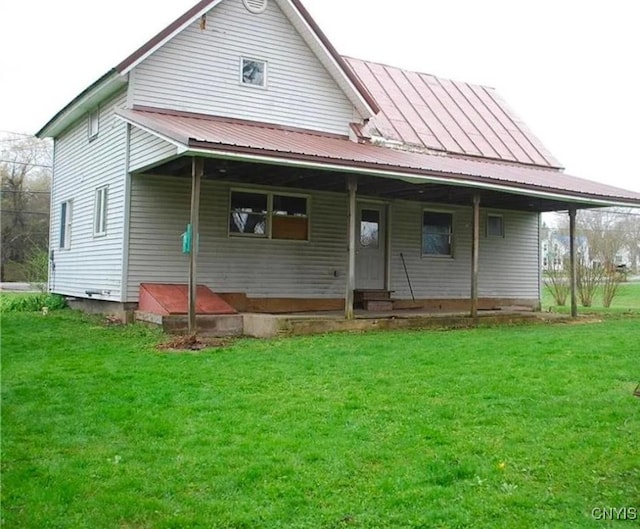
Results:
x,y
573,275
197,169
475,254
352,184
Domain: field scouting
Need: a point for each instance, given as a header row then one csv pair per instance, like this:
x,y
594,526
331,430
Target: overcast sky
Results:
x,y
569,68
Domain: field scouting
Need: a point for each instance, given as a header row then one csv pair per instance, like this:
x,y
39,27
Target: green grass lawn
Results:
x,y
627,299
516,427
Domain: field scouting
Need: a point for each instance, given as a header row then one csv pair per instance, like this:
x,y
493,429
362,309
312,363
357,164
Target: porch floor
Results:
x,y
262,325
270,325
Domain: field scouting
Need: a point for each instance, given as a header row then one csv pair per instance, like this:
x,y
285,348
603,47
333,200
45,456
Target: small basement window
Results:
x,y
495,226
269,215
437,234
253,72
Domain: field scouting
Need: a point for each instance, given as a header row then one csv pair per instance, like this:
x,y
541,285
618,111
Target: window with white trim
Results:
x,y
495,225
437,234
100,212
269,215
93,124
253,72
66,212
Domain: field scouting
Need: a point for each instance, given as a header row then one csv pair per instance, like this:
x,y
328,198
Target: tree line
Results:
x,y
25,191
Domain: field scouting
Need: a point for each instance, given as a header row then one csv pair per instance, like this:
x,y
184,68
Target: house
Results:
x,y
294,178
556,250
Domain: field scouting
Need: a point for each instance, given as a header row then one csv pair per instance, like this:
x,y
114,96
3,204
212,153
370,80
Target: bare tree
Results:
x,y
25,179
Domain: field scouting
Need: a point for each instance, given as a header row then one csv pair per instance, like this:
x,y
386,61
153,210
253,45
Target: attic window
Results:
x,y
93,124
253,72
255,6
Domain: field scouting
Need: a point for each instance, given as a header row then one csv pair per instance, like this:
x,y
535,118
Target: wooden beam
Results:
x,y
475,255
573,262
352,185
197,170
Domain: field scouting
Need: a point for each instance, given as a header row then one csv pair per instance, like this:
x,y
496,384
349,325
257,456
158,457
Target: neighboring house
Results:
x,y
627,260
292,140
555,250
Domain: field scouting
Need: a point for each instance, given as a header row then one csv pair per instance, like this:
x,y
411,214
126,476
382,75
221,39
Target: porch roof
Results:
x,y
196,134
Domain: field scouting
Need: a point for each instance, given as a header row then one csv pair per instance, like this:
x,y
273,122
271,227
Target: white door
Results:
x,y
370,247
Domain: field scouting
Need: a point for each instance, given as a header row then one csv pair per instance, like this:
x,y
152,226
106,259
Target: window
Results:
x,y
289,219
495,226
370,228
248,213
93,124
253,72
269,215
65,224
437,234
100,212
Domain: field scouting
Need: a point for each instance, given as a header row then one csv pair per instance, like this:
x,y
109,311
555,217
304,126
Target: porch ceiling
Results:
x,y
261,174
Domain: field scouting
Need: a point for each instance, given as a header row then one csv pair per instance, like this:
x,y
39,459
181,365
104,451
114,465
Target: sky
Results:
x,y
568,68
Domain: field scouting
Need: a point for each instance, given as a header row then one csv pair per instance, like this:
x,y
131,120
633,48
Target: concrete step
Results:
x,y
214,325
375,305
372,295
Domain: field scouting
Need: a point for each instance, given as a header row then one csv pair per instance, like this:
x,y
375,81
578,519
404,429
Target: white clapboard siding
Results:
x,y
147,149
199,71
508,267
270,268
258,267
81,166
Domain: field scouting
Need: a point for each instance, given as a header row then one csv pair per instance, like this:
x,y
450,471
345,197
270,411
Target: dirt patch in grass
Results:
x,y
193,343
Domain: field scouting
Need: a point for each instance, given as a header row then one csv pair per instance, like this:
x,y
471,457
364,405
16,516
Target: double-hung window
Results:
x,y
437,234
100,212
66,211
269,215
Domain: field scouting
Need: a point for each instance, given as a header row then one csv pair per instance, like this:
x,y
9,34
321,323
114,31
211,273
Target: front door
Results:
x,y
370,247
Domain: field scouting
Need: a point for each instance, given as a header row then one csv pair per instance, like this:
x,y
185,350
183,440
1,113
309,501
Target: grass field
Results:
x,y
627,299
517,427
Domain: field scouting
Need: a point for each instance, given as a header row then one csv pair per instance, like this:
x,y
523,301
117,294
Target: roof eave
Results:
x,y
166,35
195,148
88,99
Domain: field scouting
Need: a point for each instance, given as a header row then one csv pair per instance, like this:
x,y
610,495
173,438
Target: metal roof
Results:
x,y
199,133
437,114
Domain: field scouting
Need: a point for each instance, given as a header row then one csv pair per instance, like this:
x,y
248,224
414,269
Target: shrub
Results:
x,y
31,302
557,282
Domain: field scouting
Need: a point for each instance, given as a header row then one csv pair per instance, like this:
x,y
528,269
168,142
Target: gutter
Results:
x,y
88,99
410,177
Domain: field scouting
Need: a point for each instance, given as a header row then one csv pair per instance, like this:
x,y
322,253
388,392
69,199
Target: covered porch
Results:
x,y
426,228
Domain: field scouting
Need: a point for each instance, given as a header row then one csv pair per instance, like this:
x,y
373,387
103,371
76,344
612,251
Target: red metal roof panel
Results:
x,y
422,110
259,139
